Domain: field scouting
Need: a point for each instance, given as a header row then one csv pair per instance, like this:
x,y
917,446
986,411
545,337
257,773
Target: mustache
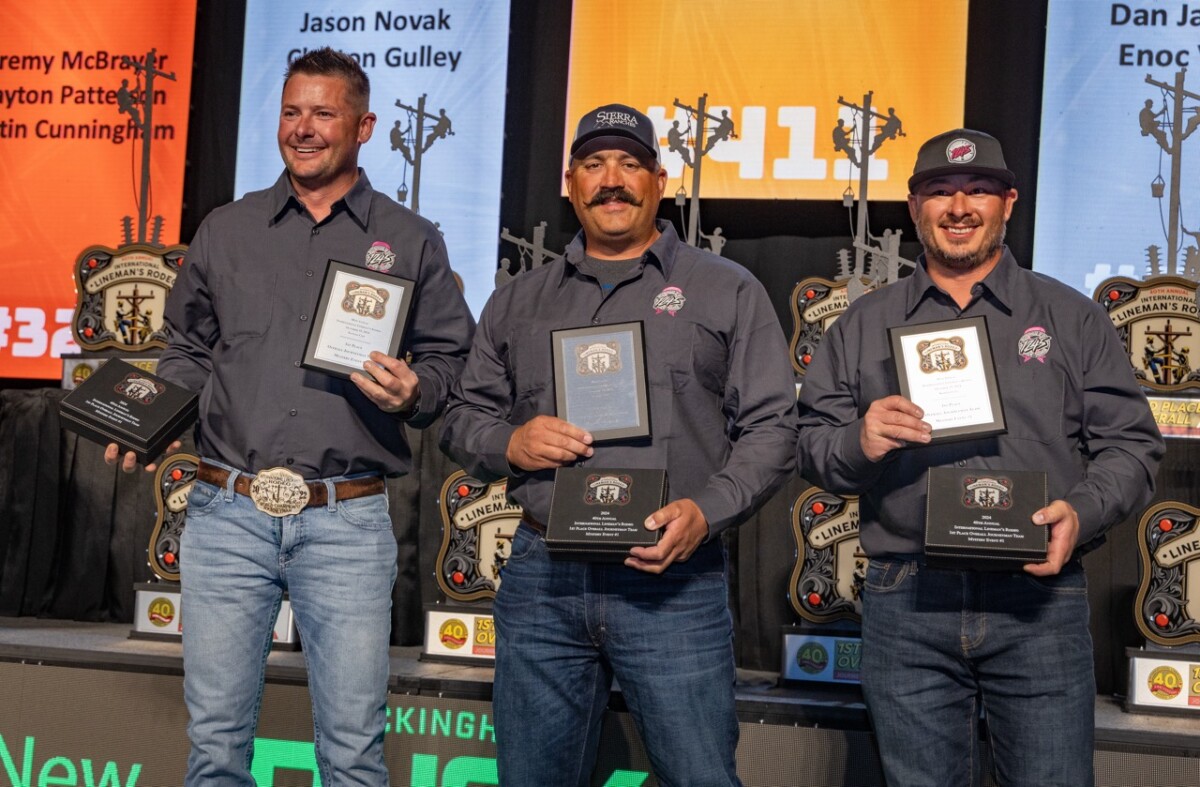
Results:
x,y
618,193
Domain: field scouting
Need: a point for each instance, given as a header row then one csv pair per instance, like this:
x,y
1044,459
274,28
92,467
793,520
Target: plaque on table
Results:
x,y
600,380
600,514
359,311
978,518
946,369
120,403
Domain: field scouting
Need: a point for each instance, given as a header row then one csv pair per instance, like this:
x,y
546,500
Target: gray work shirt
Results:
x,y
722,395
1071,404
240,313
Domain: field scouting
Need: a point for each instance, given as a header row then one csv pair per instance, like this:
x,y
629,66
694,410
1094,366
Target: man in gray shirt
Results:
x,y
722,411
289,494
936,641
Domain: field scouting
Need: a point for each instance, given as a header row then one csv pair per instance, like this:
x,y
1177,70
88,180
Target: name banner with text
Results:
x,y
71,144
438,84
1118,191
776,70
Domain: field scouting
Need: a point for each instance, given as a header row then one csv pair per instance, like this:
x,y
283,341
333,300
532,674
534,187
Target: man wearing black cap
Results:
x,y
938,642
722,411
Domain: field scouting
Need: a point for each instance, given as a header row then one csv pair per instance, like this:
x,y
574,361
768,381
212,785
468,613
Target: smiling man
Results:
x,y
272,432
939,642
721,404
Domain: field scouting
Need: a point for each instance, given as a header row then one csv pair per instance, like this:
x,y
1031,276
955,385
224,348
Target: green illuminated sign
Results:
x,y
62,771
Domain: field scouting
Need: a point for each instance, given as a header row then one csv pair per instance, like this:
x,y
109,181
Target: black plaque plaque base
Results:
x,y
598,514
980,519
120,403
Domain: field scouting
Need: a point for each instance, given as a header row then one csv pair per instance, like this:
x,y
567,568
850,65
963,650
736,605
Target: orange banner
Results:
x,y
777,70
71,152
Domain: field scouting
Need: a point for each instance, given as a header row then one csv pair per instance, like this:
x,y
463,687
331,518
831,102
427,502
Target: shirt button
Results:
x,y
296,364
308,273
303,318
289,461
961,463
291,412
595,321
316,231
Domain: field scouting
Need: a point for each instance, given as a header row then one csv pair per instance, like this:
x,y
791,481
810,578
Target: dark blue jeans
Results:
x,y
565,629
938,642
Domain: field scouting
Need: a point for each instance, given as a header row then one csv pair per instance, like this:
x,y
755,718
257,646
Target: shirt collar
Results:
x,y
356,202
1000,282
661,252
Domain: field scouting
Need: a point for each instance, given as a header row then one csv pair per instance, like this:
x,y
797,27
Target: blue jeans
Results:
x,y
936,643
338,564
566,628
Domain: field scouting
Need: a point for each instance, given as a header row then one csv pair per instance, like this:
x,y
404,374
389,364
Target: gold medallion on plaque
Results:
x,y
830,565
816,303
121,294
1157,320
1167,608
478,524
172,482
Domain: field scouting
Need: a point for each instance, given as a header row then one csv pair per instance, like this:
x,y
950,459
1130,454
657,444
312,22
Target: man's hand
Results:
x,y
1063,521
395,387
129,463
545,442
685,529
891,423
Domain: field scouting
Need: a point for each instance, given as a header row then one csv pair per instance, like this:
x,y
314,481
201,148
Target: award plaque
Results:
x,y
982,518
599,514
360,310
946,369
120,403
600,380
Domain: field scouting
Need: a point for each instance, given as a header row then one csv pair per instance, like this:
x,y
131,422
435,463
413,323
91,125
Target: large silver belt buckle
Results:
x,y
279,492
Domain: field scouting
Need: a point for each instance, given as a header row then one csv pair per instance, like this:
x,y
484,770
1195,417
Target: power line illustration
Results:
x,y
413,143
1166,127
692,148
139,105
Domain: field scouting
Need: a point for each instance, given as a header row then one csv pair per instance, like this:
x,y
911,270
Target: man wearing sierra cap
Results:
x,y
937,642
721,404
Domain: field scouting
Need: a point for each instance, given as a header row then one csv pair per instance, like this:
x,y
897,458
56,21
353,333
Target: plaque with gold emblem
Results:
x,y
816,303
478,525
359,311
121,294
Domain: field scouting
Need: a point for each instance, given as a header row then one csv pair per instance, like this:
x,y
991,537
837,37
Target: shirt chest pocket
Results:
x,y
245,303
1034,402
693,356
530,365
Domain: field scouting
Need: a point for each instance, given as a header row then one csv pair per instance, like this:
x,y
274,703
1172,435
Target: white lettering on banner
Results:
x,y
23,330
801,164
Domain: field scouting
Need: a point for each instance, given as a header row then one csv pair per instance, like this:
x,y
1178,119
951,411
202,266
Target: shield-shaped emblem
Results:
x,y
365,300
478,525
1157,321
121,295
598,358
987,492
830,564
816,304
1167,607
172,482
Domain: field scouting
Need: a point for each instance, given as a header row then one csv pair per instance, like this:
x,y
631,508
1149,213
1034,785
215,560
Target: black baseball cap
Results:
x,y
616,126
962,151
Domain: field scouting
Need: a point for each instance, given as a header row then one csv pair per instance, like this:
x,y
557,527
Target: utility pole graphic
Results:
x,y
413,143
859,142
1167,129
533,255
143,120
694,156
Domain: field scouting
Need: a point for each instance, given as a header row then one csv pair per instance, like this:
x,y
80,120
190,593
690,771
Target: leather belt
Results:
x,y
282,492
536,525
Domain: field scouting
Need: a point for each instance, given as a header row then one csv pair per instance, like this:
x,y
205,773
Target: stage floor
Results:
x,y
1132,748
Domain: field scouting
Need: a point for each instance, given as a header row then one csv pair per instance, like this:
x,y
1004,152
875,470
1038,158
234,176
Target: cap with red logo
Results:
x,y
961,152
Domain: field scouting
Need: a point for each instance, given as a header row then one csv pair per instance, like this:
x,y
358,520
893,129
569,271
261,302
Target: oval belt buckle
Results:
x,y
279,492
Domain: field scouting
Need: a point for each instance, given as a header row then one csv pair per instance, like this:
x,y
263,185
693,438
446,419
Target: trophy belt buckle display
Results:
x,y
279,492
